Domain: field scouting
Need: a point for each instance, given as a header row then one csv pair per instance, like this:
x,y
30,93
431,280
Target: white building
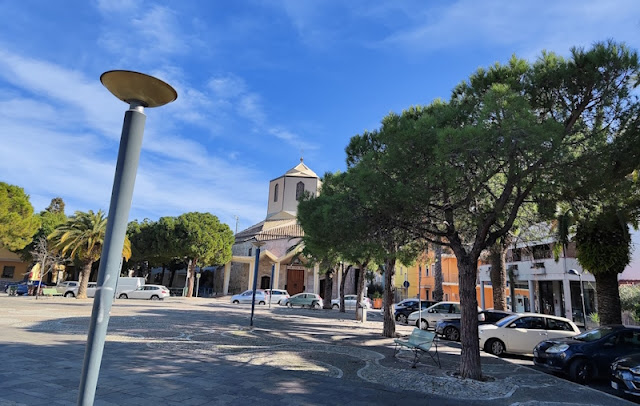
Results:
x,y
282,236
551,289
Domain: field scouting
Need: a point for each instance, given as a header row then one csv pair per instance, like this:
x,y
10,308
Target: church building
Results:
x,y
282,238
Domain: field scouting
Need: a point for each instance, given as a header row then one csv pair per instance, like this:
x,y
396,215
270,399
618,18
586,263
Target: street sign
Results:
x,y
406,284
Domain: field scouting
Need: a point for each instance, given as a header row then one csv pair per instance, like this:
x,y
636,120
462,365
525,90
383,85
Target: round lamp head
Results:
x,y
130,86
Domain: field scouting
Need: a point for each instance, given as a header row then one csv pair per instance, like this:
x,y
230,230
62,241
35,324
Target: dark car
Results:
x,y
450,328
402,312
588,355
625,375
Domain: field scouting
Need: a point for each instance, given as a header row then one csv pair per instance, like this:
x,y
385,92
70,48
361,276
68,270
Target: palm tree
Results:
x,y
82,238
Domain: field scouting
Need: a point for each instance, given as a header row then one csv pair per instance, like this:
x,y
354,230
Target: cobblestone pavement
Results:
x,y
202,352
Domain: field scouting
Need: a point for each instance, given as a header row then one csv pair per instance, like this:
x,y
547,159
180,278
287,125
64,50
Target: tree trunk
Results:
x,y
342,283
389,326
498,274
191,268
164,268
328,289
361,283
470,358
438,294
607,290
84,280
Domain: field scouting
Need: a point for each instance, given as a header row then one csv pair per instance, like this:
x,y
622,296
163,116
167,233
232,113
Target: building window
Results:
x,y
275,193
250,249
265,282
542,251
516,254
426,270
8,271
299,190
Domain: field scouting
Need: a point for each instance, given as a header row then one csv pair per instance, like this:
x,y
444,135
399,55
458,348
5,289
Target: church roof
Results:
x,y
301,170
271,230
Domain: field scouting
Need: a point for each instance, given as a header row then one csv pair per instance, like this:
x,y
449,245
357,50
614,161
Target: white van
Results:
x,y
127,284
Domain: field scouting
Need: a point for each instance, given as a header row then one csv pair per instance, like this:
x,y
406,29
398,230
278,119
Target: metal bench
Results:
x,y
420,341
50,292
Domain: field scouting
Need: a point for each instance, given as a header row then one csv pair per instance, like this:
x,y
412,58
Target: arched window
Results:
x,y
275,193
299,190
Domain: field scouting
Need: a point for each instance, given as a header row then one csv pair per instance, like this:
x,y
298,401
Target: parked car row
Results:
x,y
281,297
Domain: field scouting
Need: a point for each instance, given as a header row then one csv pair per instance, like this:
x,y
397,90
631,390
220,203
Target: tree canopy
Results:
x,y
461,170
18,224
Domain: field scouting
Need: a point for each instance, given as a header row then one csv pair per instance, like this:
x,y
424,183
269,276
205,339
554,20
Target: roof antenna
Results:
x,y
301,155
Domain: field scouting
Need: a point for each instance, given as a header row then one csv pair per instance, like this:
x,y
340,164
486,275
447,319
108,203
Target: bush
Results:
x,y
375,290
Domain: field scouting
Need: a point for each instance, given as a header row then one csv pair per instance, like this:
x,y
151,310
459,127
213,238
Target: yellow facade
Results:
x,y
450,288
12,267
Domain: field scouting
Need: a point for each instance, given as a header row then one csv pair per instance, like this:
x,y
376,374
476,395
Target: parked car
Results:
x,y
625,375
450,328
149,292
431,315
520,333
277,295
350,302
247,297
402,313
312,300
405,303
22,288
70,288
588,355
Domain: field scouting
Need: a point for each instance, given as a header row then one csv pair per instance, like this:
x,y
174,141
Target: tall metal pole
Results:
x,y
122,192
584,311
273,268
255,280
419,296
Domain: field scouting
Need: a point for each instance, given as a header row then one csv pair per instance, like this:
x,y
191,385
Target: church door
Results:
x,y
295,281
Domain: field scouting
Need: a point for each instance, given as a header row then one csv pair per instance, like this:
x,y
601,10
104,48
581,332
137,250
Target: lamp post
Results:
x,y
256,243
273,269
584,312
139,91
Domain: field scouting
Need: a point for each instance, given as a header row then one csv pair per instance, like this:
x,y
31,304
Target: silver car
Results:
x,y
246,297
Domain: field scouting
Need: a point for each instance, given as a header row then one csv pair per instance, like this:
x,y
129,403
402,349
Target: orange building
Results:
x,y
407,279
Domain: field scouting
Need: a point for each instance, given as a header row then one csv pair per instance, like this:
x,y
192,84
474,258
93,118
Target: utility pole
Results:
x,y
237,218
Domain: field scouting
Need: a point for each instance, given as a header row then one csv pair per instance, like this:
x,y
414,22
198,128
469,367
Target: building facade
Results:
x,y
280,260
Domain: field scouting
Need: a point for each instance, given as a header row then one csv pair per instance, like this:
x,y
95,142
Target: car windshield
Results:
x,y
506,320
594,335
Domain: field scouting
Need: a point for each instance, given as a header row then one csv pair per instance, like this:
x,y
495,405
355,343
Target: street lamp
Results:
x,y
256,243
584,312
139,91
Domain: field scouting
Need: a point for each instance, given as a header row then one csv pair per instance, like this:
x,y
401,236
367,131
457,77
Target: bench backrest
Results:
x,y
48,291
422,338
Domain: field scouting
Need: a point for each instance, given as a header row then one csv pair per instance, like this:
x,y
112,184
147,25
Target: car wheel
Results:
x,y
315,305
495,347
262,302
236,302
581,371
336,306
69,294
452,333
123,296
425,324
289,304
402,318
155,297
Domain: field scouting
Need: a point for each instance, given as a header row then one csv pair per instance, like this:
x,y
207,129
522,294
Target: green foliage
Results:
x,y
630,300
18,224
201,237
50,218
603,243
82,237
595,318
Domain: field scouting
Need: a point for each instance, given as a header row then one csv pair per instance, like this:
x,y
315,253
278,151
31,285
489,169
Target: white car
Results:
x,y
350,302
431,315
70,288
149,292
247,295
277,295
520,333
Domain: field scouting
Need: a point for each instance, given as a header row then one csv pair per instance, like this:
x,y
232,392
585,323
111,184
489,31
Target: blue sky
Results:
x,y
259,84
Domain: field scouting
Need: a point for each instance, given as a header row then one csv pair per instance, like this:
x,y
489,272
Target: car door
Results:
x,y
436,313
246,296
350,302
622,343
524,333
136,294
91,289
558,329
